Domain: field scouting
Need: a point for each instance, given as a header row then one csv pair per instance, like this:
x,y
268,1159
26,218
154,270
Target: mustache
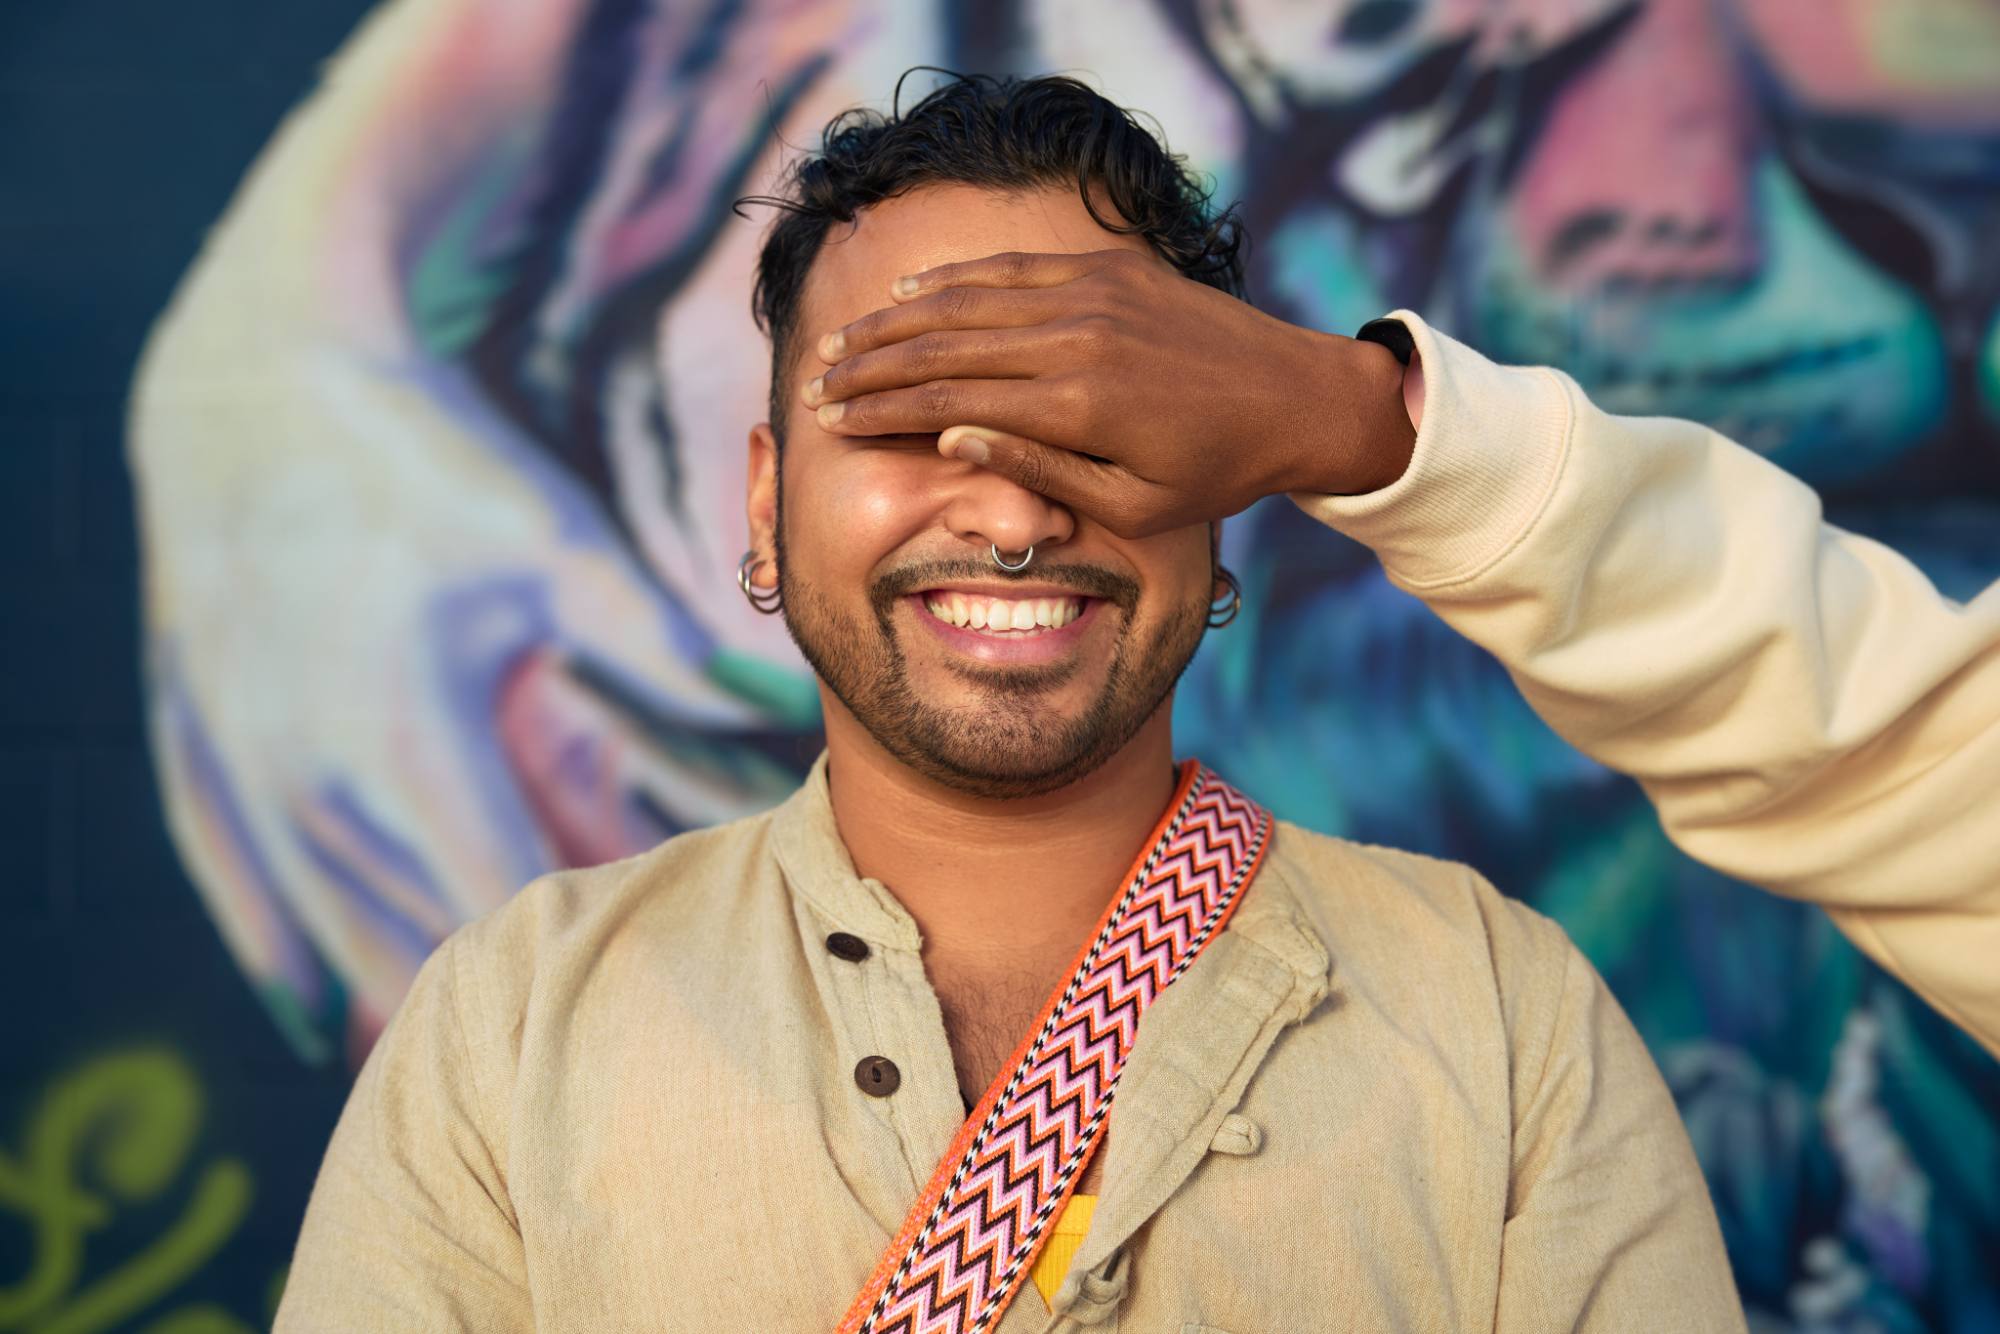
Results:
x,y
1077,576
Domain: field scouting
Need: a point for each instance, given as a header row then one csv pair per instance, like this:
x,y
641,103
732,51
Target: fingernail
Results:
x,y
970,448
833,347
814,388
906,286
831,414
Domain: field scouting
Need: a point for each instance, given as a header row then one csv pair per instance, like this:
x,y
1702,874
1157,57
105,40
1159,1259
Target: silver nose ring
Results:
x,y
1026,556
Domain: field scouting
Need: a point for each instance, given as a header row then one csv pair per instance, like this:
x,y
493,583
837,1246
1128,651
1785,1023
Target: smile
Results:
x,y
1008,626
1002,617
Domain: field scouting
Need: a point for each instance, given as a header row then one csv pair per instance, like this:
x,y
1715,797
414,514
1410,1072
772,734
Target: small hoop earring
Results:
x,y
1219,614
1011,569
765,600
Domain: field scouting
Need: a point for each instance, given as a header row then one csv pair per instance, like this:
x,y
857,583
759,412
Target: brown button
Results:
x,y
877,1076
843,946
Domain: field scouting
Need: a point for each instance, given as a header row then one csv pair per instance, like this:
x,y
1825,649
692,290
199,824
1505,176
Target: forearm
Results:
x,y
1805,709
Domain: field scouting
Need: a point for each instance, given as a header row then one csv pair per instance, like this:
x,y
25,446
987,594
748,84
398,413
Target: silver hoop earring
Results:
x,y
763,599
1026,556
1222,613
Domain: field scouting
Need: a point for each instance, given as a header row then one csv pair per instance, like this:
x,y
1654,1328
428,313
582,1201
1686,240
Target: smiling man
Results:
x,y
852,1064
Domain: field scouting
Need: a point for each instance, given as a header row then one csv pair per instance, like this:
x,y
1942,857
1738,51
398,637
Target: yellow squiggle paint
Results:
x,y
117,1132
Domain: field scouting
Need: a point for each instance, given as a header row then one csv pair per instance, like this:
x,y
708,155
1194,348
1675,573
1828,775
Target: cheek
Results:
x,y
853,508
1174,567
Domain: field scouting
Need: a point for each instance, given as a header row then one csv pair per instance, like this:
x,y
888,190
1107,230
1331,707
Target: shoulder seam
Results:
x,y
454,992
1570,955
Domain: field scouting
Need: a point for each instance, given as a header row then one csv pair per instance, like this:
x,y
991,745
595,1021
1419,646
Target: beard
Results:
x,y
1009,741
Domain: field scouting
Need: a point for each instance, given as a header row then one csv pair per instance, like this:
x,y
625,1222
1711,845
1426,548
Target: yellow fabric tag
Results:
x,y
1060,1248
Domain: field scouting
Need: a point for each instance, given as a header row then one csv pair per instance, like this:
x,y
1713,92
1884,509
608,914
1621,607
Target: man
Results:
x,y
880,1029
1806,710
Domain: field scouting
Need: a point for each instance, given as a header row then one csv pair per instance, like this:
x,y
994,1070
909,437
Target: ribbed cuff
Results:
x,y
1486,461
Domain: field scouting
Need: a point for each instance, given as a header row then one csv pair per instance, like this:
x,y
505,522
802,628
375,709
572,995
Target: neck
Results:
x,y
999,881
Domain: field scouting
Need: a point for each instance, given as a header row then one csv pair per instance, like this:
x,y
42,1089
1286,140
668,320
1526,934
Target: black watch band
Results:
x,y
1390,333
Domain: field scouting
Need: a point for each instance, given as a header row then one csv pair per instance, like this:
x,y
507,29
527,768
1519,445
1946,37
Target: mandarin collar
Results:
x,y
817,865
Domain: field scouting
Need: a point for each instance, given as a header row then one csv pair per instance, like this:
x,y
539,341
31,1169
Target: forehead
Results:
x,y
941,224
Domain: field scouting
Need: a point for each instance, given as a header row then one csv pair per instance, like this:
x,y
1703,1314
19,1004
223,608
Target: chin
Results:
x,y
1012,757
997,730
975,778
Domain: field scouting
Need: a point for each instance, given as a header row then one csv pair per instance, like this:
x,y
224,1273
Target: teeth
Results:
x,y
997,614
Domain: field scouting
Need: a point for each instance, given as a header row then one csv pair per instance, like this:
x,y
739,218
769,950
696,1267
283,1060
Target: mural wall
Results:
x,y
438,462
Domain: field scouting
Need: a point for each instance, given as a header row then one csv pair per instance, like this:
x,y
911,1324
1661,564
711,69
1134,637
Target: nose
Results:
x,y
1642,178
984,508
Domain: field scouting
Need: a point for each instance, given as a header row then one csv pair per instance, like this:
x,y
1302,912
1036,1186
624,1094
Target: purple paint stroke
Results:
x,y
478,634
300,966
341,803
397,928
581,522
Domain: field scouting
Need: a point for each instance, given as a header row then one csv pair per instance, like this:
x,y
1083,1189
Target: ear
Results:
x,y
1215,556
761,503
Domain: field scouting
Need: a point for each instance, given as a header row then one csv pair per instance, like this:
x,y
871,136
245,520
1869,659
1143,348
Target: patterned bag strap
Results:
x,y
974,1232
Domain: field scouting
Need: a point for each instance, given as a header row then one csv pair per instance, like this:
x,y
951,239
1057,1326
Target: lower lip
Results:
x,y
1043,646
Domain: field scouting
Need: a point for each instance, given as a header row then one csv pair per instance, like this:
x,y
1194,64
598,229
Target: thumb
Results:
x,y
1064,477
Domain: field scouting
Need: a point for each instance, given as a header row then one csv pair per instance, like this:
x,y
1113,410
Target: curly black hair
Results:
x,y
1002,134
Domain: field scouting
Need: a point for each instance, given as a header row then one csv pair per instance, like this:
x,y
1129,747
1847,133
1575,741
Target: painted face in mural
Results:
x,y
1659,196
883,546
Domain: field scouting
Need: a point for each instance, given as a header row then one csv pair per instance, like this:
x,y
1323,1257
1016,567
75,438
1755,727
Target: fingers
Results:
x,y
1066,478
1022,407
1001,291
984,354
958,308
1012,268
1103,491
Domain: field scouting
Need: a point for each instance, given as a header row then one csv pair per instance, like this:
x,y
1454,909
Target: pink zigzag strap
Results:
x,y
975,1231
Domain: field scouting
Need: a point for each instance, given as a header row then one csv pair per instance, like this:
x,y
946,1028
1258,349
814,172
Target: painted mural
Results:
x,y
440,467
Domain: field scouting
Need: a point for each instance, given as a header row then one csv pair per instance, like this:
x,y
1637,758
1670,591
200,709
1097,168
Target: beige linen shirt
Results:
x,y
1384,1098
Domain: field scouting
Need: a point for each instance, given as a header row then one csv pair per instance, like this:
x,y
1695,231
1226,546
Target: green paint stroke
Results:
x,y
202,1319
274,1292
1989,371
788,699
452,288
127,1121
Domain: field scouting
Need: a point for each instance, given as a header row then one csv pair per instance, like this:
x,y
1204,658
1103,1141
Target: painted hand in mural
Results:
x,y
438,598
1112,384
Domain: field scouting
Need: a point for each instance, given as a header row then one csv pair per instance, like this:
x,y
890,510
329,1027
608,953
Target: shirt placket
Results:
x,y
894,1114
903,1013
1197,1049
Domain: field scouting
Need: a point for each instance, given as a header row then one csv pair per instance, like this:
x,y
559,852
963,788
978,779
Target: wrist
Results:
x,y
1357,433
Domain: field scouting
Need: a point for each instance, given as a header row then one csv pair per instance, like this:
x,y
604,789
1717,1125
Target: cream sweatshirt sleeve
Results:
x,y
1807,712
